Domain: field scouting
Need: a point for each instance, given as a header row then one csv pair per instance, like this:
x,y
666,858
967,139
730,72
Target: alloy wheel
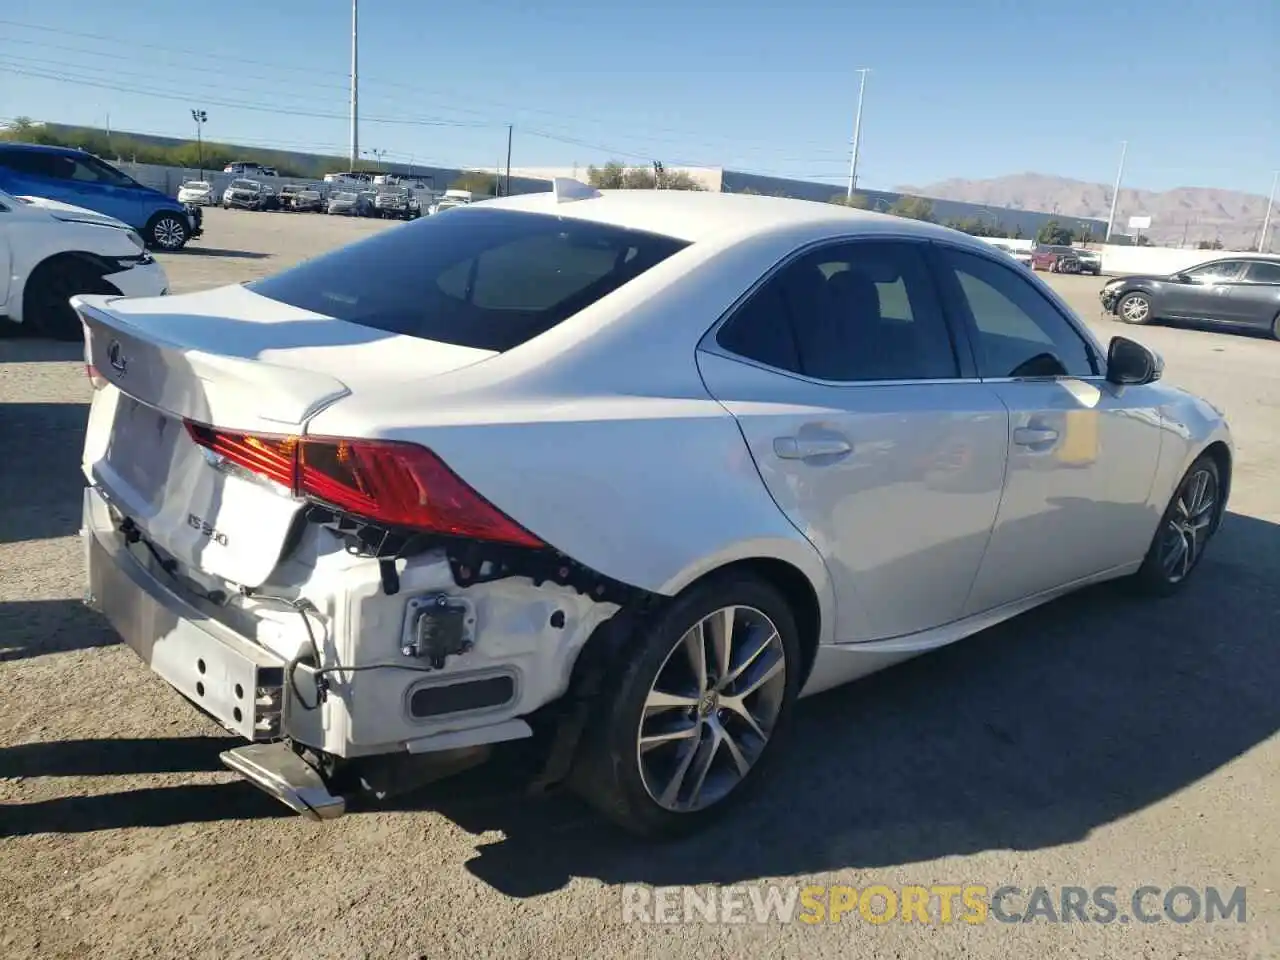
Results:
x,y
711,709
1134,309
1189,525
168,233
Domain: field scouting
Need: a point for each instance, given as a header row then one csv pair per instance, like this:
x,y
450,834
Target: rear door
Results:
x,y
1082,452
1256,299
868,428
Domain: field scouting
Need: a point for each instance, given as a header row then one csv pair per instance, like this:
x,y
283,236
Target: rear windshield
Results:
x,y
489,279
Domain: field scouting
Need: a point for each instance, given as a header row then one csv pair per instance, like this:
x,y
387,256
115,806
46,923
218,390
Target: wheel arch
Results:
x,y
18,312
1222,458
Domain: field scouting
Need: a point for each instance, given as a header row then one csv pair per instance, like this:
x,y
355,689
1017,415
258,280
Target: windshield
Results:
x,y
489,279
346,197
393,191
196,185
244,185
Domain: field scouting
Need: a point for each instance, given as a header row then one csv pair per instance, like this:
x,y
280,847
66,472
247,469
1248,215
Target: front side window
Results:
x,y
1222,271
1019,332
851,312
489,279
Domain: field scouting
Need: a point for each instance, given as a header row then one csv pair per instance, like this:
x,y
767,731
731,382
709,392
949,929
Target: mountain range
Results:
x,y
1183,215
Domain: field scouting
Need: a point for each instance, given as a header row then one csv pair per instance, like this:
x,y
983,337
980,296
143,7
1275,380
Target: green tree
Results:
x,y
616,176
913,208
1052,232
858,201
608,177
477,182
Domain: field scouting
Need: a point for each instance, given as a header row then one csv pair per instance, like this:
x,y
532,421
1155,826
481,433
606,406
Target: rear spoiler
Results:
x,y
143,356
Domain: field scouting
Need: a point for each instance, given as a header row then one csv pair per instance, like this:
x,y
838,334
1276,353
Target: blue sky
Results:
x,y
970,88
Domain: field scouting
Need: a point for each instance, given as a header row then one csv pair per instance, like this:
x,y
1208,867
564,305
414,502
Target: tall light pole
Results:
x,y
200,117
507,189
1115,194
355,83
857,134
1266,219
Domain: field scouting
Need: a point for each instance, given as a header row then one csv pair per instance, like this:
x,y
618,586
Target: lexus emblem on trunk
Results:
x,y
116,357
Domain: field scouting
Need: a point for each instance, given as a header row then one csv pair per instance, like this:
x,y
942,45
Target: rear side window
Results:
x,y
489,279
30,162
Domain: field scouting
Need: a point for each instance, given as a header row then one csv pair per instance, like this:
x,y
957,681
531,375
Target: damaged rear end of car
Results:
x,y
343,599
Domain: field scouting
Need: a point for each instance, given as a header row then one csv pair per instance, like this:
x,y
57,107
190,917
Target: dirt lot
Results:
x,y
1096,741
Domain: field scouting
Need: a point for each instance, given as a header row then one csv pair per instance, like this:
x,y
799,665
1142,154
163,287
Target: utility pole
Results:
x,y
1266,220
355,83
857,134
507,189
199,116
1115,194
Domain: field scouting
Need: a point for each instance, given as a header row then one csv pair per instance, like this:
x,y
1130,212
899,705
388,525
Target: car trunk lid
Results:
x,y
239,362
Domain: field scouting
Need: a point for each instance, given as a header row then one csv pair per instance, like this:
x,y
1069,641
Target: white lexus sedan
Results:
x,y
627,473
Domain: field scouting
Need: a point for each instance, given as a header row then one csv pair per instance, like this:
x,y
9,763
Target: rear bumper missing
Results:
x,y
237,682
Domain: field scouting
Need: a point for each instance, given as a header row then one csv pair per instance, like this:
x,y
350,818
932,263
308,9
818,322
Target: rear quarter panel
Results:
x,y
653,492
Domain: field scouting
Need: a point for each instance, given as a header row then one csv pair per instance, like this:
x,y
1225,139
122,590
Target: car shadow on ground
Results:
x,y
17,347
33,628
199,251
1026,736
51,435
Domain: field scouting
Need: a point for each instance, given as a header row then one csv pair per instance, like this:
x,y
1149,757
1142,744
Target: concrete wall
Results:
x,y
1119,260
1013,221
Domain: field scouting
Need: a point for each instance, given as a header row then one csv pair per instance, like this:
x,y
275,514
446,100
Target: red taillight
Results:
x,y
399,484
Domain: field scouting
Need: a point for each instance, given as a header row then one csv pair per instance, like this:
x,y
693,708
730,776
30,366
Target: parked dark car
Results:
x,y
83,180
1238,292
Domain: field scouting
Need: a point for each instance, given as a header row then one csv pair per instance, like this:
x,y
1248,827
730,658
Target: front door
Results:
x,y
1207,294
1082,452
873,439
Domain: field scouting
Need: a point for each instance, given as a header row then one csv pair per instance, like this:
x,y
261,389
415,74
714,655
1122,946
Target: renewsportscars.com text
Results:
x,y
934,904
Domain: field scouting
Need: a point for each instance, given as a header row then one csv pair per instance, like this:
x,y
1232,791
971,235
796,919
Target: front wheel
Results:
x,y
1134,308
168,231
692,718
46,306
1190,520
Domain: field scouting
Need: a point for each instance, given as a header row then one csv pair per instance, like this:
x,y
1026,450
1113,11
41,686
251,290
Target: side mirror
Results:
x,y
1181,277
1129,362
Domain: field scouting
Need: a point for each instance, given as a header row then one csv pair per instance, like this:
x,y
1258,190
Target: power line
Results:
x,y
366,81
240,105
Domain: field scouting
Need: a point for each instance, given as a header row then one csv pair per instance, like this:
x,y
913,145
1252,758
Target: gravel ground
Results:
x,y
1099,740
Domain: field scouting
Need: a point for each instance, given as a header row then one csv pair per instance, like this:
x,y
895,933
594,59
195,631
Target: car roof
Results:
x,y
695,215
40,148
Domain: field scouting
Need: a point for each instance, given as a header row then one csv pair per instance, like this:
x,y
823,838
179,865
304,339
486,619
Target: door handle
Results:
x,y
797,448
1034,436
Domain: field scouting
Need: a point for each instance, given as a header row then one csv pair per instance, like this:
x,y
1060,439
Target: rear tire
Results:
x,y
1275,327
673,748
1191,519
45,308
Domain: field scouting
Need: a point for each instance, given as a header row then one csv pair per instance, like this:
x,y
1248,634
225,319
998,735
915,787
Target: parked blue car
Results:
x,y
73,176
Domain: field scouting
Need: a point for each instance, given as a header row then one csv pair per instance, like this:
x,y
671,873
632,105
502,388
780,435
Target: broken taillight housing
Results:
x,y
384,481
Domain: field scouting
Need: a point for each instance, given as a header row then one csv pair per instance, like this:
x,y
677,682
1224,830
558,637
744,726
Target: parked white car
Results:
x,y
51,251
1022,256
199,192
634,469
